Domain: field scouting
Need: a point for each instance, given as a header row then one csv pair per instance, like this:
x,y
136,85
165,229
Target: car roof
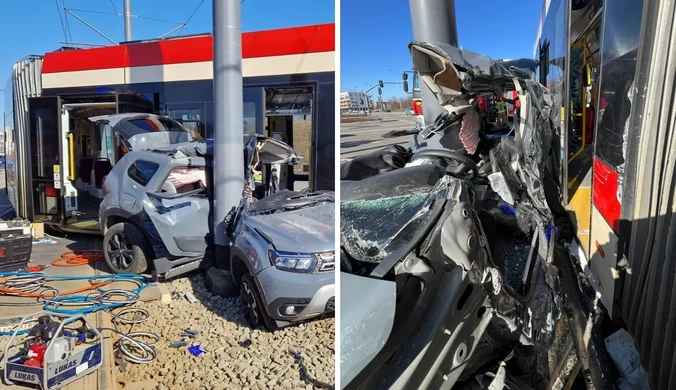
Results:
x,y
113,119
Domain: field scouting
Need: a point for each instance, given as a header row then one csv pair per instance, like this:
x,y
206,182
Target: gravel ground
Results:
x,y
226,364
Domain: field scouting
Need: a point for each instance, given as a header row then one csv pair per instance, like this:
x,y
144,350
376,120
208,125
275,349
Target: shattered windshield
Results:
x,y
373,229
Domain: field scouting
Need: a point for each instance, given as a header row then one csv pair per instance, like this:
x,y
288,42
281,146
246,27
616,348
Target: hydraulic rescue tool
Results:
x,y
53,353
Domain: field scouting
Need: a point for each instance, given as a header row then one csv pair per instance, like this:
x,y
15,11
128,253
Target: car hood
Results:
x,y
306,230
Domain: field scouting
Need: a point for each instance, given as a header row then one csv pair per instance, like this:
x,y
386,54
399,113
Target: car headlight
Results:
x,y
294,262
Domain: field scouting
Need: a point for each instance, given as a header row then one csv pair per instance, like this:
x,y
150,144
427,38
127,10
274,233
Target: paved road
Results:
x,y
360,138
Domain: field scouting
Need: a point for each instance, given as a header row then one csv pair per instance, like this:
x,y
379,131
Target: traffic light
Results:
x,y
381,84
380,91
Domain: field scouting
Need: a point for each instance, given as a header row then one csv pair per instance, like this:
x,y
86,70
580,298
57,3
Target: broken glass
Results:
x,y
372,229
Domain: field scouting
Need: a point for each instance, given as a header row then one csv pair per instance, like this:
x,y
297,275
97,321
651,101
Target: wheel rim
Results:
x,y
120,252
251,305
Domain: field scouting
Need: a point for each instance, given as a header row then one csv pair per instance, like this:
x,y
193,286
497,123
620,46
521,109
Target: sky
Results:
x,y
374,37
35,26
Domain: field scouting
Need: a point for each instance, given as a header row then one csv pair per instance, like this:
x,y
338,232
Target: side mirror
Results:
x,y
405,85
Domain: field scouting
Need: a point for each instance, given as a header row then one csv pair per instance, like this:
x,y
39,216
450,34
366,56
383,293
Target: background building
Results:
x,y
354,102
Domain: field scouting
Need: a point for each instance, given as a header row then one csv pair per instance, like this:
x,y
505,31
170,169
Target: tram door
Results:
x,y
289,119
285,129
43,171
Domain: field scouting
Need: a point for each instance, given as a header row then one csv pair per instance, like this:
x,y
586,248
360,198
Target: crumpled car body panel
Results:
x,y
431,233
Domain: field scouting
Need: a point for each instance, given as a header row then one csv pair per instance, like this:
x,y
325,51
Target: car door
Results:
x,y
180,217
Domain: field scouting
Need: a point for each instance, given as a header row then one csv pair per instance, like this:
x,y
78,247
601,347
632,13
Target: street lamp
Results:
x,y
368,101
401,109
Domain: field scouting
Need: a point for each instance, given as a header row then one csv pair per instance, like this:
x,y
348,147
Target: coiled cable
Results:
x,y
135,350
136,346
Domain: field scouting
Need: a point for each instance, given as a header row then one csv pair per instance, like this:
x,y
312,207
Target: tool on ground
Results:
x,y
191,298
190,333
36,268
304,375
54,353
67,304
178,344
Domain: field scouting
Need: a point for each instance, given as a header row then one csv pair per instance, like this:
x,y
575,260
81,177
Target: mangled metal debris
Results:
x,y
461,227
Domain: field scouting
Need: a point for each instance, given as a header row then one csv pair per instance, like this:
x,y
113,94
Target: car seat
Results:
x,y
84,173
169,188
102,167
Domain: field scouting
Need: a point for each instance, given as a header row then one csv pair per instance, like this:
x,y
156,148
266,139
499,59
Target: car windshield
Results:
x,y
373,229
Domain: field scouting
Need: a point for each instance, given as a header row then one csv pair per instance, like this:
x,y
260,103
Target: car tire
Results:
x,y
255,312
125,249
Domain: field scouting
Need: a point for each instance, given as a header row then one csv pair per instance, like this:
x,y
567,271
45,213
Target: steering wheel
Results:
x,y
466,168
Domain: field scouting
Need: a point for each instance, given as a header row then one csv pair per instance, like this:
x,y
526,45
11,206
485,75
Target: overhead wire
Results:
x,y
117,15
190,17
158,20
65,18
63,27
92,11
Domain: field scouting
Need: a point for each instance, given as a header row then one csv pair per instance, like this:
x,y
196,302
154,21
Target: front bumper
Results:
x,y
310,295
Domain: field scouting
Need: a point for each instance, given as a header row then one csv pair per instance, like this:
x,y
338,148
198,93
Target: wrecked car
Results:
x,y
157,201
156,210
452,241
283,257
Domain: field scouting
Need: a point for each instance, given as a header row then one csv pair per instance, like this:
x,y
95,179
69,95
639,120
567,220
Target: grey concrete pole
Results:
x,y
433,21
228,118
127,20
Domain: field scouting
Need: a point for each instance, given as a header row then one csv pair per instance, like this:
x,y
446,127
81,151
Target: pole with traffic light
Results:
x,y
380,87
401,108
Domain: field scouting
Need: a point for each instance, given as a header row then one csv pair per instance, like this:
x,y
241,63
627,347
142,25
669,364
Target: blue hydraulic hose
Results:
x,y
53,305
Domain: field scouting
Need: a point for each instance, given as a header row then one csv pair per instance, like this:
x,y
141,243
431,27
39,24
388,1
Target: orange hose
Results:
x,y
67,259
11,291
78,258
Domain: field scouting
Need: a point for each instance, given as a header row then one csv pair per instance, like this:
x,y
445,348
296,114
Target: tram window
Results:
x,y
622,29
250,118
142,171
302,141
190,117
544,63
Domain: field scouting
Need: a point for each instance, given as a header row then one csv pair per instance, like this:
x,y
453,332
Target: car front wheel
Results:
x,y
255,312
125,249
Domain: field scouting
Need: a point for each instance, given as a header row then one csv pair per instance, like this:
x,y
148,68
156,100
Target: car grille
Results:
x,y
326,263
331,304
